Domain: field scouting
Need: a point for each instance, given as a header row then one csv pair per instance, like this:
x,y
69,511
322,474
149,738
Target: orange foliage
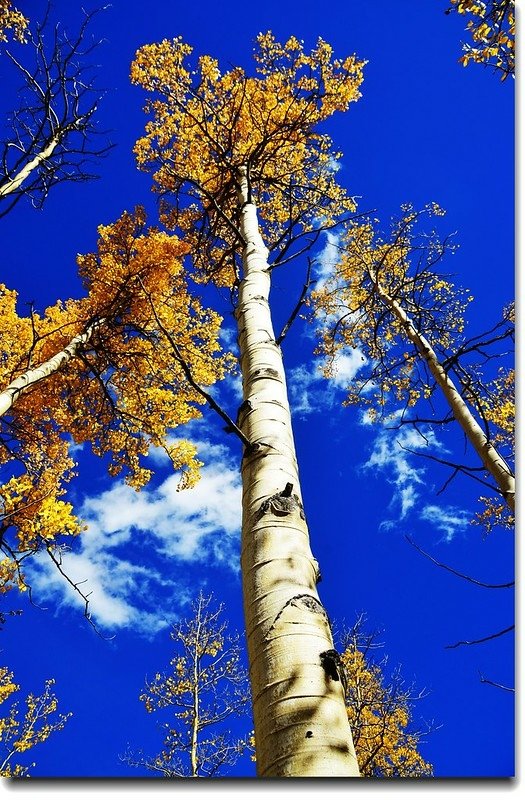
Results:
x,y
207,124
380,716
123,392
492,27
11,19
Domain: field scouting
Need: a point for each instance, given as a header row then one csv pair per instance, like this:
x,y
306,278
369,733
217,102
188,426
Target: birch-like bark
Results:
x,y
301,725
15,183
32,376
195,722
490,458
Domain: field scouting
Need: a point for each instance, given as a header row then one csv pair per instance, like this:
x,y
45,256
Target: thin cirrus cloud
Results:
x,y
310,391
449,520
393,452
121,559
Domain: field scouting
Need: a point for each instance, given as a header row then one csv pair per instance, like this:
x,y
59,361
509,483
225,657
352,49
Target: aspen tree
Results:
x,y
204,688
249,179
386,299
72,374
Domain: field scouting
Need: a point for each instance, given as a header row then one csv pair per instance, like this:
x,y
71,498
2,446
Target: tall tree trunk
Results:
x,y
301,725
490,458
24,382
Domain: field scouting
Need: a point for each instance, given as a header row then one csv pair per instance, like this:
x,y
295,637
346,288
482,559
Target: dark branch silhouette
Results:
x,y
52,137
480,641
497,685
459,574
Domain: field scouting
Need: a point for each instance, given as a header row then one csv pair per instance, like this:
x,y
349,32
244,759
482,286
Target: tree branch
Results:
x,y
497,685
459,574
187,372
480,641
308,282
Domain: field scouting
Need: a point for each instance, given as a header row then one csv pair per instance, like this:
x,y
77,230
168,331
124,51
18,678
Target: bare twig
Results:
x,y
459,574
480,641
85,597
308,282
497,685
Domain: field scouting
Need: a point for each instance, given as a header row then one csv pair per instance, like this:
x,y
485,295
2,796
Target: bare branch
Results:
x,y
85,597
52,132
497,685
459,574
480,641
308,282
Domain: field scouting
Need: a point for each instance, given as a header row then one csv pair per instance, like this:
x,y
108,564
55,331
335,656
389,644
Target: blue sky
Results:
x,y
426,129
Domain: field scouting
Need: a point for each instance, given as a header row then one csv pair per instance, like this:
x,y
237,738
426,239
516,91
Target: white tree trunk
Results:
x,y
195,723
15,183
32,376
490,458
301,725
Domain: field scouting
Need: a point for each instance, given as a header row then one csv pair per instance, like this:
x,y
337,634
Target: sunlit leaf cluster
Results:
x,y
205,124
21,732
11,20
355,312
492,27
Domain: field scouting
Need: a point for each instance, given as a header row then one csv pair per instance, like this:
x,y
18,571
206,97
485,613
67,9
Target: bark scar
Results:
x,y
281,504
265,372
333,666
305,601
244,408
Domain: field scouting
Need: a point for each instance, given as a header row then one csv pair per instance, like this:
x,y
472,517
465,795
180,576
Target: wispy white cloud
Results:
x,y
328,257
228,338
135,540
346,366
390,454
229,388
393,453
310,391
450,520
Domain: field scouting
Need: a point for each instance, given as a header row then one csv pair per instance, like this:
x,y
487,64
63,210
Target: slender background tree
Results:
x,y
387,301
18,734
205,688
